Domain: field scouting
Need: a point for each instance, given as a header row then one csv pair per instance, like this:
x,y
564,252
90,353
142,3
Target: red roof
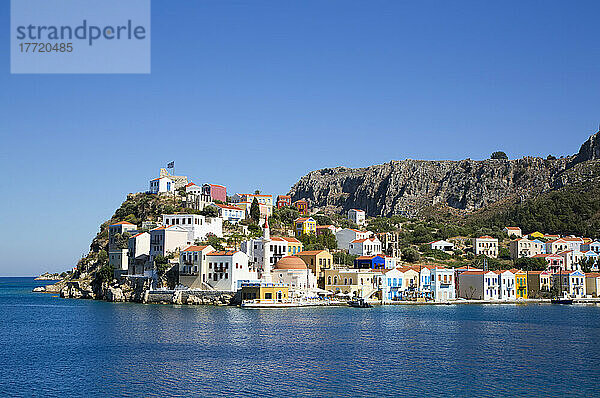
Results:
x,y
222,253
195,248
190,184
485,237
122,223
227,207
472,273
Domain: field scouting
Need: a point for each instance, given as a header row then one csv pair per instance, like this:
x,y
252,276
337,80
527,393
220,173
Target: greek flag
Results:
x,y
171,165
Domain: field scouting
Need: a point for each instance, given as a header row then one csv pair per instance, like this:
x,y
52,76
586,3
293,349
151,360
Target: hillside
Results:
x,y
409,186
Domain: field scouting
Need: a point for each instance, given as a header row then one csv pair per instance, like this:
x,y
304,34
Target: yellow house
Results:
x,y
536,235
305,225
520,283
317,260
264,291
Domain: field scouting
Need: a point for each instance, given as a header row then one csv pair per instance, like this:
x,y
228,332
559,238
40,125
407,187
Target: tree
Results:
x,y
287,215
209,211
254,230
504,253
411,255
215,242
587,264
322,219
102,257
531,264
162,265
105,274
499,155
255,210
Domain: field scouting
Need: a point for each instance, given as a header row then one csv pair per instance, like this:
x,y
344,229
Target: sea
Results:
x,y
53,347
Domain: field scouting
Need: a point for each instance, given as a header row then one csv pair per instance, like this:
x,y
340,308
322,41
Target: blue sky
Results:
x,y
256,94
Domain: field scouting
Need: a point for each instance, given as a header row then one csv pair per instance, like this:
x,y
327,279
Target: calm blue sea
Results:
x,y
60,347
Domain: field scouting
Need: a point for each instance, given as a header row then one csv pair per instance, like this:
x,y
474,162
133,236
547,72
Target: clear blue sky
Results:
x,y
256,94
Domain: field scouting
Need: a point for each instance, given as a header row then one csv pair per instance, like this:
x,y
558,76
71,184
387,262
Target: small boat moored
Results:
x,y
359,303
563,300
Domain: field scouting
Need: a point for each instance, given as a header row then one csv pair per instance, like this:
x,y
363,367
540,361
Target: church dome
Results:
x,y
290,262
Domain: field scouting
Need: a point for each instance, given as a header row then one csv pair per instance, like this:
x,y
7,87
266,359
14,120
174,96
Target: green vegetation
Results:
x,y
531,264
105,274
255,210
571,210
318,242
209,211
499,155
343,258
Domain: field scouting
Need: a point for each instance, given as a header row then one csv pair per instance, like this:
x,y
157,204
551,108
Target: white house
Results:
x,y
556,246
391,285
574,242
357,216
441,245
510,231
117,252
572,259
442,284
168,239
346,235
595,247
161,184
277,248
365,247
198,226
193,267
486,245
506,285
230,213
138,252
227,268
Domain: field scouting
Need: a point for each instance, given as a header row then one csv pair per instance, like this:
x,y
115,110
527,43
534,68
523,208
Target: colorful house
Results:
x,y
216,192
555,262
372,262
520,283
317,260
283,201
302,206
536,235
305,225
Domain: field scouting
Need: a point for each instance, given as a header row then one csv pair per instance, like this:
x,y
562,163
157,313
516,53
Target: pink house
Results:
x,y
216,192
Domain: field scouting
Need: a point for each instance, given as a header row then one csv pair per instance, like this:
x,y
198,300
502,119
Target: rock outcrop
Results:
x,y
590,150
408,186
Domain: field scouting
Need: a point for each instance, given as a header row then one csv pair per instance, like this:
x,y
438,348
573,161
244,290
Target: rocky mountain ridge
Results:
x,y
408,186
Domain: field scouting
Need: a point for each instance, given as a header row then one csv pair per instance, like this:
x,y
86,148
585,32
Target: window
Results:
x,y
329,280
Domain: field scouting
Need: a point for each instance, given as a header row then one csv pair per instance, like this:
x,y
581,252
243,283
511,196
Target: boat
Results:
x,y
359,303
563,300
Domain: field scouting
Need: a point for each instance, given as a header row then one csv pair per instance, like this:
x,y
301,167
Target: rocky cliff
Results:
x,y
408,186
